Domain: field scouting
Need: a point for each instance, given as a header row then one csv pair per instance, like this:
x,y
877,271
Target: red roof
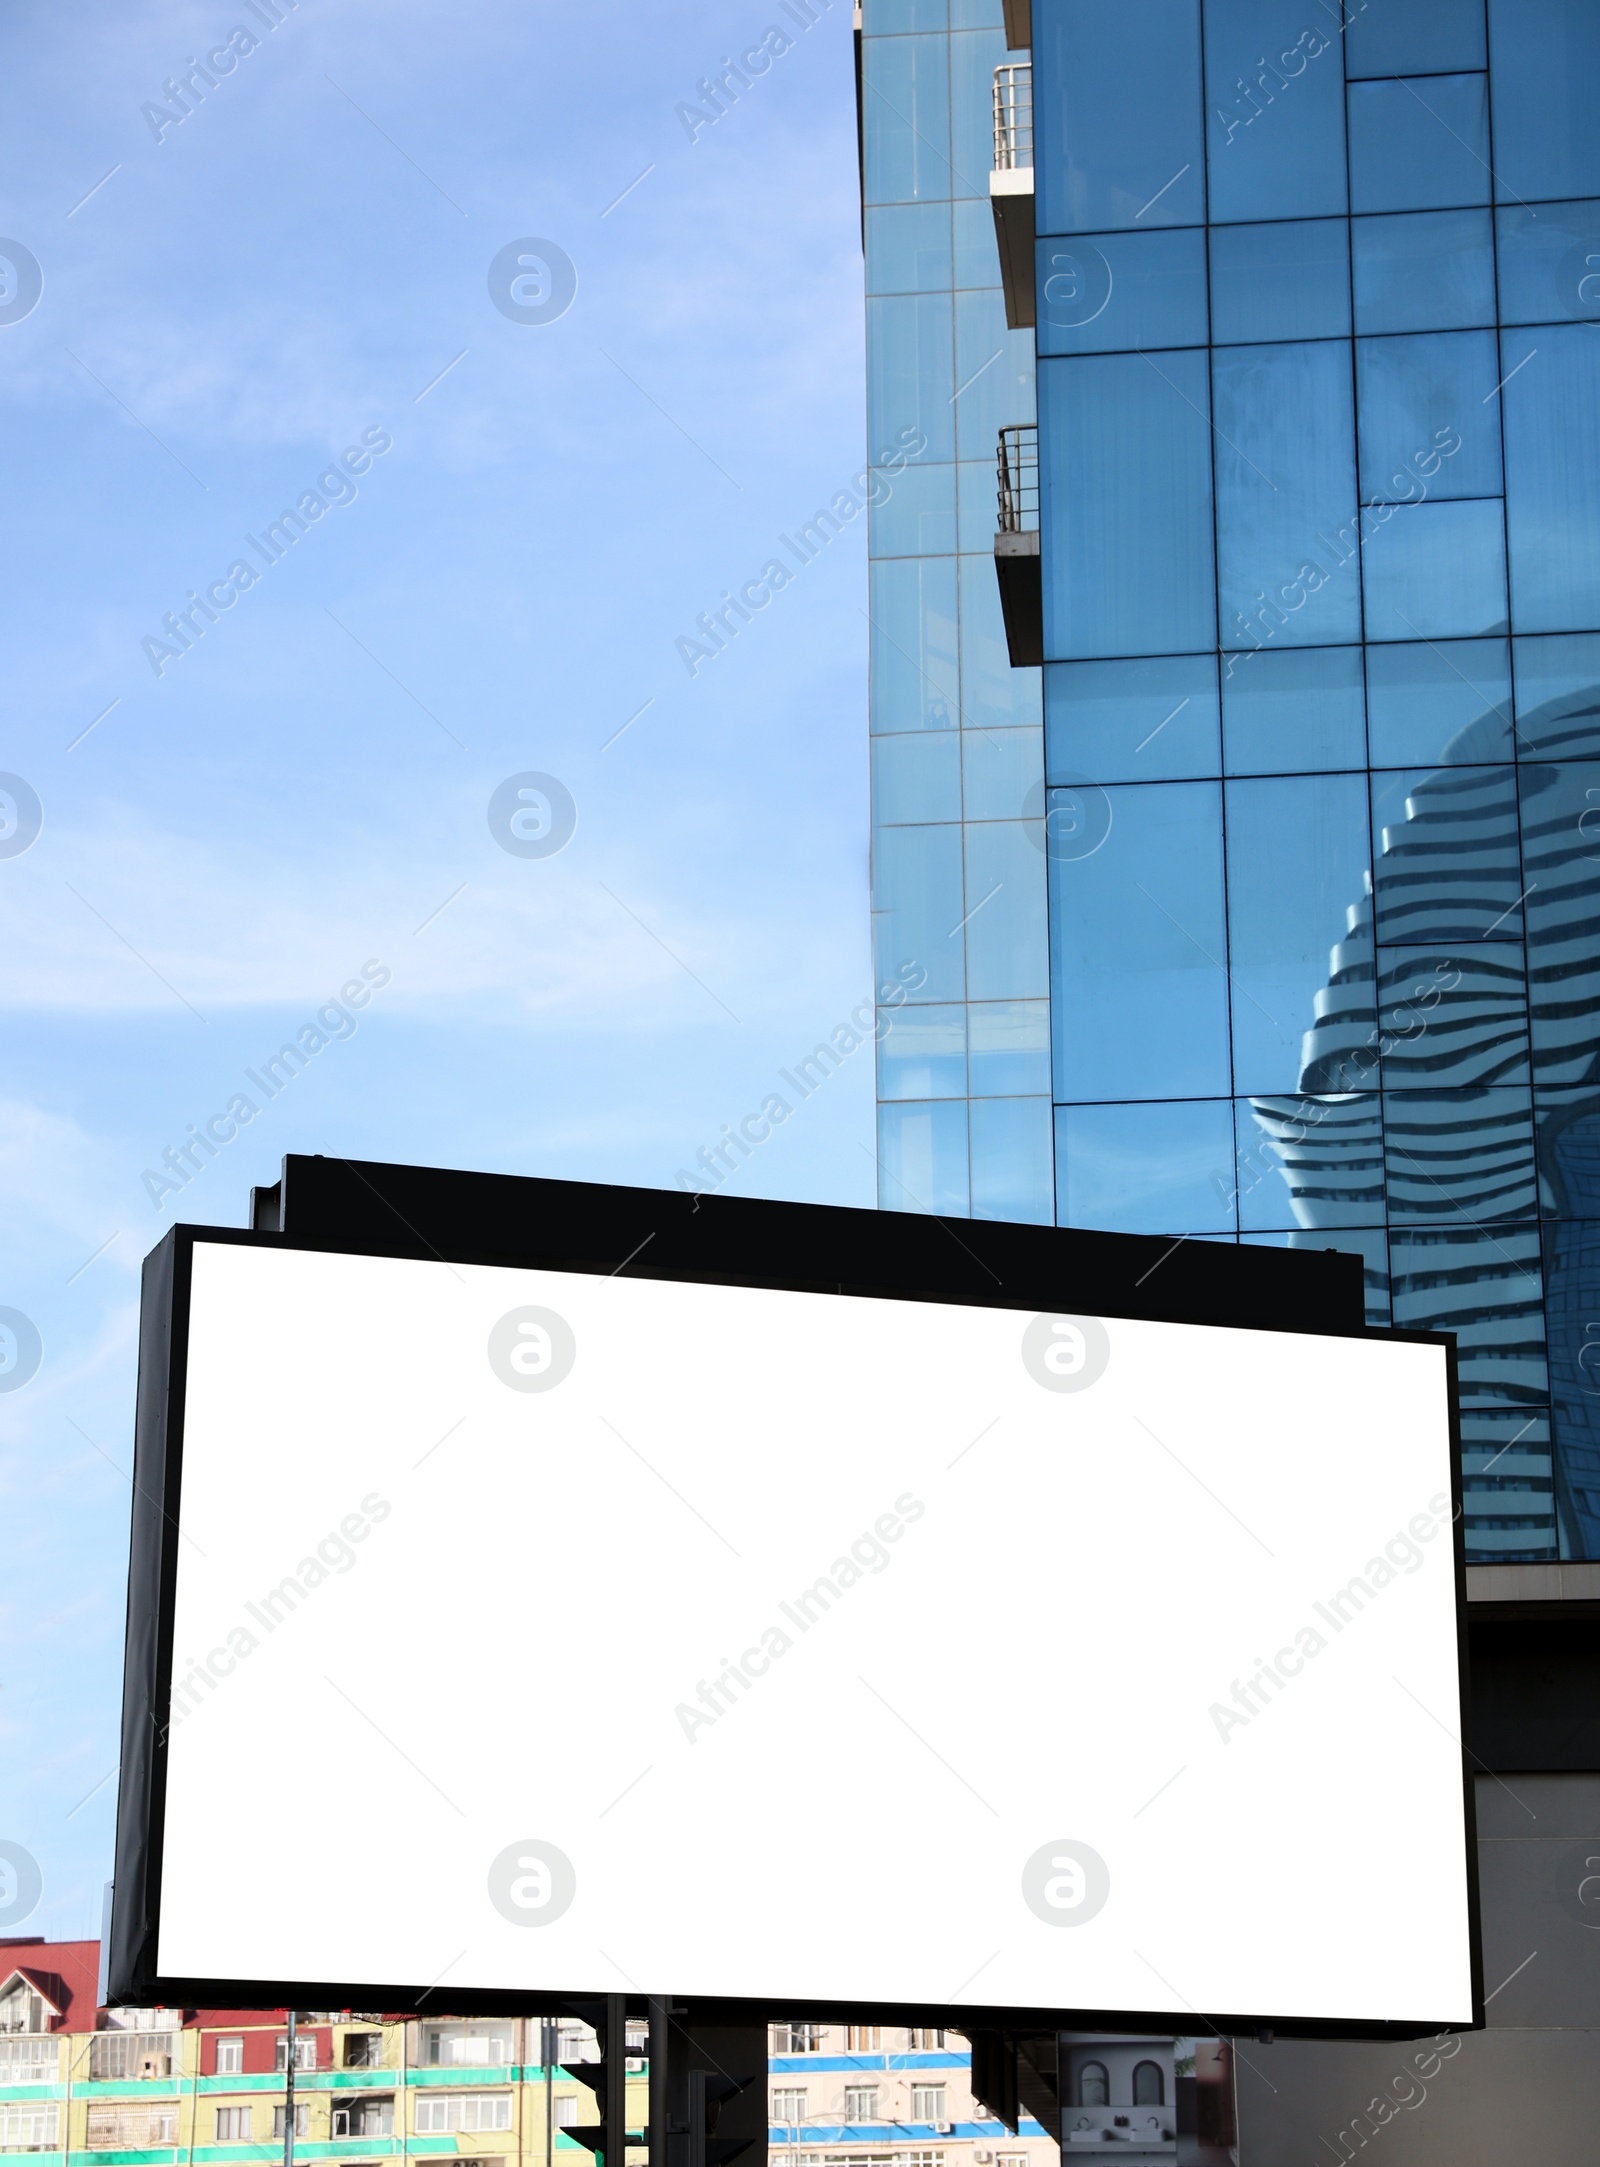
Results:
x,y
66,1973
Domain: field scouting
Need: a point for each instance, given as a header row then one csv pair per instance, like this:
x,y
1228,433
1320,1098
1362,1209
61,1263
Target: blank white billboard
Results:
x,y
539,1631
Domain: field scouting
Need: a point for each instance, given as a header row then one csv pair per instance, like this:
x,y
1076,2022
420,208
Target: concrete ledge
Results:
x,y
1566,1583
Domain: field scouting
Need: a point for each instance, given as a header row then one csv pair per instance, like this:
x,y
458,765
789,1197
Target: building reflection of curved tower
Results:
x,y
1460,1021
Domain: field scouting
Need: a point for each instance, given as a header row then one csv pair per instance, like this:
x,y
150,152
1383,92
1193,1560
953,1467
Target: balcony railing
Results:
x,y
1013,116
30,2058
1018,464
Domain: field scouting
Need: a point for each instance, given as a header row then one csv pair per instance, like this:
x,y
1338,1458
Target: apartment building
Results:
x,y
880,2095
85,2086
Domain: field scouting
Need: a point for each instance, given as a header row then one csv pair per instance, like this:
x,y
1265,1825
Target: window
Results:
x,y
566,2110
30,2058
927,2103
789,2103
302,2121
233,2125
796,2038
136,2128
467,2044
22,2010
362,2050
367,2117
1094,2087
114,2055
29,2128
925,2041
464,2110
230,2057
1147,2085
305,2054
863,2038
861,2103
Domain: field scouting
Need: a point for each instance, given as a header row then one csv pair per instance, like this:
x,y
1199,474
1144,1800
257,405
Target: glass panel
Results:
x,y
915,685
922,1156
1485,1287
1507,1485
1454,1016
1419,37
916,901
1558,697
881,17
972,225
1012,1177
994,374
1549,262
1561,864
916,776
1298,853
908,248
905,85
1429,424
1009,1048
1287,710
1435,571
974,57
1125,492
915,515
1422,701
1117,99
1113,292
1419,146
910,360
992,692
1462,1155
1284,281
1007,928
1567,1126
1151,1169
923,1053
1140,1003
1552,425
1131,722
1572,1291
1448,866
1275,128
1311,1162
1001,771
1286,480
1425,271
1372,1246
1545,59
977,517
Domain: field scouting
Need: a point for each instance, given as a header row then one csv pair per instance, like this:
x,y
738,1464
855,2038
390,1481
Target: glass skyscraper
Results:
x,y
1303,870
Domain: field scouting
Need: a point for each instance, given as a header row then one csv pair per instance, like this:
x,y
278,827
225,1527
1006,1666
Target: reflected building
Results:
x,y
1288,348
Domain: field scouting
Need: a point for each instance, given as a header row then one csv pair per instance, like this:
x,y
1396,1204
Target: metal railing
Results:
x,y
1018,465
1013,116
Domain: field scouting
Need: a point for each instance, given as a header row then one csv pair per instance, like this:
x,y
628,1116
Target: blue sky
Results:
x,y
305,790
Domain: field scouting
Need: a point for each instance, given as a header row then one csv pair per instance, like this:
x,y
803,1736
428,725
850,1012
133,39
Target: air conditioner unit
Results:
x,y
982,2158
155,2065
943,2129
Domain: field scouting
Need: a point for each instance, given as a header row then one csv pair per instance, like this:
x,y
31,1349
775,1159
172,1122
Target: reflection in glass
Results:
x,y
1459,1156
1424,271
1453,1015
1558,696
1009,1048
905,90
1449,866
1552,429
1561,865
922,1053
914,683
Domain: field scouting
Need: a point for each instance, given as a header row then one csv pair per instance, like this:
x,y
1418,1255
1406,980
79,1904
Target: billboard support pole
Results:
x,y
288,2097
616,2081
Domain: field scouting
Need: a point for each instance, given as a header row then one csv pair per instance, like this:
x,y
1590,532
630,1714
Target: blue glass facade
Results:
x,y
1318,399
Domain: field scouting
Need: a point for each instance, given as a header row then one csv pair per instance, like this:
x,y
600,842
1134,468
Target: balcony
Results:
x,y
131,2054
1016,544
1011,188
30,2058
